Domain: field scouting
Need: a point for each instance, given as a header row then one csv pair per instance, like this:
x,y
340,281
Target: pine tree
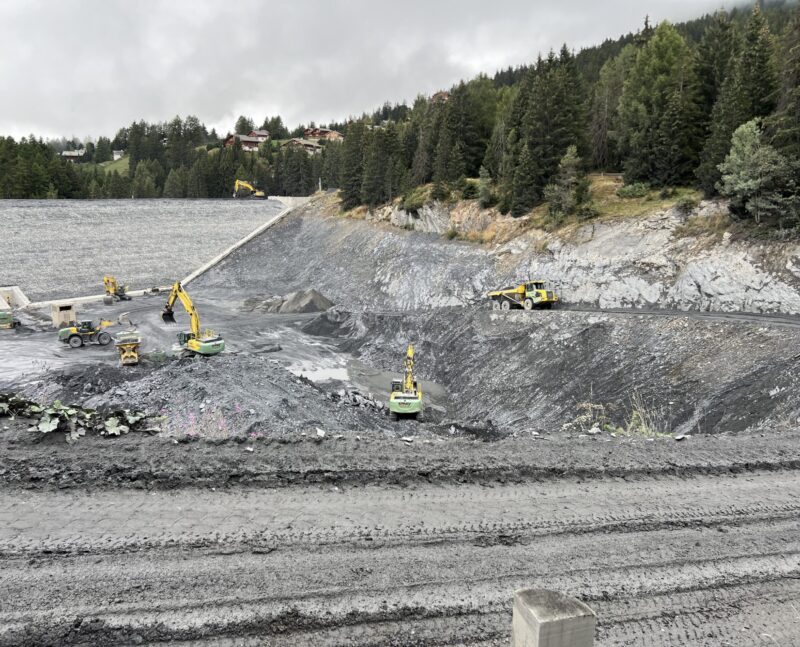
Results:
x,y
485,196
728,114
758,77
175,184
525,193
495,150
196,181
352,165
244,125
714,54
784,125
144,185
569,189
663,67
761,183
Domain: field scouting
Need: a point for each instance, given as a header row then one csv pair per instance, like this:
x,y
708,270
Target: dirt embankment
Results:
x,y
646,261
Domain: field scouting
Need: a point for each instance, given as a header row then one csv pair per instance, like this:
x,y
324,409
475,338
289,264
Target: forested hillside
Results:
x,y
712,103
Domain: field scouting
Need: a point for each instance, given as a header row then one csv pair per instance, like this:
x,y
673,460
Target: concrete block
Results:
x,y
12,297
550,619
62,314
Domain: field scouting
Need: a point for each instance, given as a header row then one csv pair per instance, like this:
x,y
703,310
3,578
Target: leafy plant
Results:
x,y
74,421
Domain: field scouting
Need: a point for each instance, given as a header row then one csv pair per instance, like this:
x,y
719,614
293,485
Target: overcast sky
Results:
x,y
87,67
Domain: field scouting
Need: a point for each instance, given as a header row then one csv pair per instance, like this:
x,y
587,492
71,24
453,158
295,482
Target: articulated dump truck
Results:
x,y
529,295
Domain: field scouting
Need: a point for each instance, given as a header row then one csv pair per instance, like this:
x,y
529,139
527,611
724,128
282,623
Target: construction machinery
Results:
x,y
7,321
528,295
114,291
127,344
85,332
194,341
240,186
406,395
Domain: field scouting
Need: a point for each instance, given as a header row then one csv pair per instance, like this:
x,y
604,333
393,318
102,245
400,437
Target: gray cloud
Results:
x,y
86,67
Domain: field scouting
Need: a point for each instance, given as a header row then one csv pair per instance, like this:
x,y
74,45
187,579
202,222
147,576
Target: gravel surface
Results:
x,y
57,248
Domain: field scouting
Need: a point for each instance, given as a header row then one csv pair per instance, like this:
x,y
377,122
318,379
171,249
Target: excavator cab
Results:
x,y
397,386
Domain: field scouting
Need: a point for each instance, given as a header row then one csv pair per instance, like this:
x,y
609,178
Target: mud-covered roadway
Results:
x,y
271,510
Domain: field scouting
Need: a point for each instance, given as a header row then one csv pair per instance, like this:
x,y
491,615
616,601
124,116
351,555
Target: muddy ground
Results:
x,y
645,463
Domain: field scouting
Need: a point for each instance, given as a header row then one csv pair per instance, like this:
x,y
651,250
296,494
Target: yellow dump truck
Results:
x,y
528,295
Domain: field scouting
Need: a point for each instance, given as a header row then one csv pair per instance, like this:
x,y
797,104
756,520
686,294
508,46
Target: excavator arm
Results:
x,y
408,376
179,294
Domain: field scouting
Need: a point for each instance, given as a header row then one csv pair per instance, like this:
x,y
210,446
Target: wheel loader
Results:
x,y
85,332
529,295
7,321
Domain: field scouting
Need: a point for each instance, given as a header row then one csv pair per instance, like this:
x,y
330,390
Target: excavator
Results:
x,y
406,396
240,185
114,291
195,341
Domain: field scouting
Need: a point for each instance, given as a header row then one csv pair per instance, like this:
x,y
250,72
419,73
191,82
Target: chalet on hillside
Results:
x,y
260,135
309,146
323,133
74,156
117,155
442,96
249,144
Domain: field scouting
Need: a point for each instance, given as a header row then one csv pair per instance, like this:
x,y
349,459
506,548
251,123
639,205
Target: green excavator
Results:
x,y
193,341
406,396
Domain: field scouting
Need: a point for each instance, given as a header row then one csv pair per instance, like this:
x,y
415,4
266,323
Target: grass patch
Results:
x,y
699,226
120,166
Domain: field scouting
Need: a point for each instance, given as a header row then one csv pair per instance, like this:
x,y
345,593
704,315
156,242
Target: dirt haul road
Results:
x,y
702,560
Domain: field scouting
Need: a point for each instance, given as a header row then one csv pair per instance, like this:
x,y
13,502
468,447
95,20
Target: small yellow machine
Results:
x,y
406,396
528,295
114,290
240,186
193,341
85,332
127,343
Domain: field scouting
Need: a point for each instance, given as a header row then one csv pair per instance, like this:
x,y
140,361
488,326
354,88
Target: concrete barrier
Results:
x,y
549,619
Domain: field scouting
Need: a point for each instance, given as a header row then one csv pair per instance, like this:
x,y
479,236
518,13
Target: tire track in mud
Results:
x,y
369,566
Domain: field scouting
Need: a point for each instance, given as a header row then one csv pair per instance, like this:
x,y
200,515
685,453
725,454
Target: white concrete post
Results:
x,y
549,619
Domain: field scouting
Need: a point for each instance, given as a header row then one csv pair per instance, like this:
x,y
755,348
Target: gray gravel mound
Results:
x,y
220,397
302,301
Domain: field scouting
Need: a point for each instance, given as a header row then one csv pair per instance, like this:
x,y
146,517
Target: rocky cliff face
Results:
x,y
643,262
634,262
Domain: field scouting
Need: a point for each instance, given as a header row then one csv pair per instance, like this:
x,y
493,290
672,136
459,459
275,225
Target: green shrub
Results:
x,y
587,211
413,201
451,233
470,191
635,190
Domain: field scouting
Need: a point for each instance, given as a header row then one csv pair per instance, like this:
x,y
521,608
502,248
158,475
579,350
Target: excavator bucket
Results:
x,y
168,316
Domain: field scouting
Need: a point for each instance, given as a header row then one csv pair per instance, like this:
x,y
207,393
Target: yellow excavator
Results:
x,y
194,341
115,291
406,396
240,186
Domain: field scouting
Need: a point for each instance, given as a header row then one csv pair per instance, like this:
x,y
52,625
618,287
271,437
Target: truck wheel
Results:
x,y
505,305
103,338
528,304
75,341
495,304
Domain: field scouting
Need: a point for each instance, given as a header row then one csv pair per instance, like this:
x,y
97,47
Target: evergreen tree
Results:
x,y
761,183
604,125
663,67
196,181
353,165
525,193
175,184
714,54
495,150
784,125
758,77
144,185
103,152
244,125
569,189
485,195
